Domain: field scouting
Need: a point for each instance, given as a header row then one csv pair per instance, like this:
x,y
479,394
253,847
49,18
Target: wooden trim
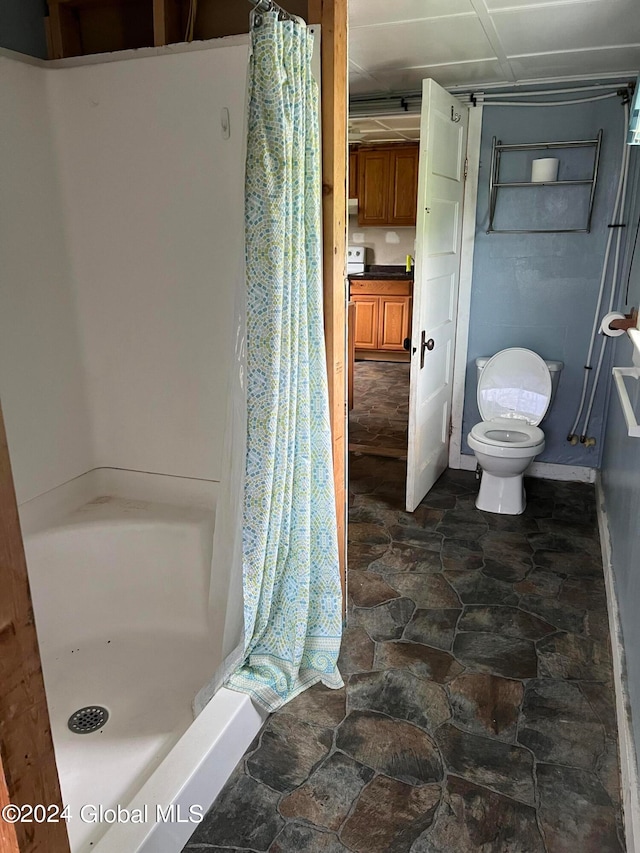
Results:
x,y
351,350
332,17
26,747
8,838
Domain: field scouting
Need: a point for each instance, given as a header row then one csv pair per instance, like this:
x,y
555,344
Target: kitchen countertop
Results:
x,y
382,272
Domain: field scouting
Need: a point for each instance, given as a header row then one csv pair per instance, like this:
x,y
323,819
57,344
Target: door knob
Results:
x,y
425,345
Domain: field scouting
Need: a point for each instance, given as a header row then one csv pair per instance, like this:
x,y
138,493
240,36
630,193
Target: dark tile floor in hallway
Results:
x,y
478,712
380,415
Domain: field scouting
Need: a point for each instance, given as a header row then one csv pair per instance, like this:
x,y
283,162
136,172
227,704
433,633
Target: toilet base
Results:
x,y
504,495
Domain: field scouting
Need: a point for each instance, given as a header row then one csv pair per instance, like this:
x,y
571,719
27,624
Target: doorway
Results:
x,y
379,419
445,202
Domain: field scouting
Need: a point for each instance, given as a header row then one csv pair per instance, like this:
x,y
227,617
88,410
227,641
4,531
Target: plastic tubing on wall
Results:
x,y
490,103
614,278
603,281
598,87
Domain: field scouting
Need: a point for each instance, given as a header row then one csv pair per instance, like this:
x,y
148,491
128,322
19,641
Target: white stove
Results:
x,y
355,259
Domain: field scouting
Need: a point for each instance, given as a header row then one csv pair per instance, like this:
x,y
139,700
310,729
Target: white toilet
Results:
x,y
515,389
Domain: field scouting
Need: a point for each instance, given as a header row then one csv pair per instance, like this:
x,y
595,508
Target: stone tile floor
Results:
x,y
380,414
478,712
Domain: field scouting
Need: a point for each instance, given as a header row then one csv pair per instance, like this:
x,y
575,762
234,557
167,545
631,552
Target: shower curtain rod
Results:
x,y
270,6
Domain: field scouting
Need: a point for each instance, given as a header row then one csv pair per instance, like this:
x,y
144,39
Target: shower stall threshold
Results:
x,y
192,775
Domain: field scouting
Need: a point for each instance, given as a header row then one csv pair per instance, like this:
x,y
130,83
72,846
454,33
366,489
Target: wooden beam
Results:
x,y
332,17
8,838
160,23
26,747
54,32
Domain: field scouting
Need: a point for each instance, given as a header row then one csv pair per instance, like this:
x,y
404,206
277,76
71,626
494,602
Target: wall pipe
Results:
x,y
614,278
603,279
546,103
594,88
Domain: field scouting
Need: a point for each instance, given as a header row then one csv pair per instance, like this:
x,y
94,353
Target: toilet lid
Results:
x,y
515,383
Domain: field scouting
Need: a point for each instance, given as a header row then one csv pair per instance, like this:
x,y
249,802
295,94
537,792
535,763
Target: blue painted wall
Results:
x,y
539,290
22,26
621,483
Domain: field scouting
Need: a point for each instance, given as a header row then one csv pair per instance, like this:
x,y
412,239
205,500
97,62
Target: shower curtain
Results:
x,y
291,582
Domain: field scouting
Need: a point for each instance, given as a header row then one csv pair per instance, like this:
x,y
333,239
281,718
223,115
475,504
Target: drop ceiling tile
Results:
x,y
361,84
364,12
377,49
385,136
408,122
499,5
567,27
389,128
364,125
582,63
461,74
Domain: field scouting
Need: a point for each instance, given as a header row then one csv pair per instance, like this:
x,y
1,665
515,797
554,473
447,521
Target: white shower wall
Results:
x,y
121,241
153,200
41,375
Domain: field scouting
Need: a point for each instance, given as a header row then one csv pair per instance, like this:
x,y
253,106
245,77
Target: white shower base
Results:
x,y
119,566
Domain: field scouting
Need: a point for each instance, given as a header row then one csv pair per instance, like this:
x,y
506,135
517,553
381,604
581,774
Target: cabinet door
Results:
x,y
403,187
353,174
373,186
394,323
366,323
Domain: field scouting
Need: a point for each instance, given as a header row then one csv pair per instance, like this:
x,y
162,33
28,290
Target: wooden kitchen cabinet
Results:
x,y
366,323
387,185
353,174
373,186
403,188
382,317
394,322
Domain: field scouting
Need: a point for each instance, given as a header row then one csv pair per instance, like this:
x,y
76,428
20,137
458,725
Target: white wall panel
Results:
x,y
41,377
153,197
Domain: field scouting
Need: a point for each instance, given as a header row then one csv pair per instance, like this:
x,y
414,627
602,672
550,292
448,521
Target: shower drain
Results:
x,y
87,720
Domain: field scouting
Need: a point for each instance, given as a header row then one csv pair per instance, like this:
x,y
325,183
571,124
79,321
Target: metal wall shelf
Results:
x,y
497,149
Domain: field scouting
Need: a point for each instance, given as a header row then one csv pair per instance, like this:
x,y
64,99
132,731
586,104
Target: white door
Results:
x,y
443,146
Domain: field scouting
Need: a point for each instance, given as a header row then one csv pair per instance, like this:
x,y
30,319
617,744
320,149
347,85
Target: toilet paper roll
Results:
x,y
544,170
604,326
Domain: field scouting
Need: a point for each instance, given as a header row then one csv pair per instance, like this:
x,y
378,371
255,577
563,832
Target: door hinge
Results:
x,y
450,428
466,167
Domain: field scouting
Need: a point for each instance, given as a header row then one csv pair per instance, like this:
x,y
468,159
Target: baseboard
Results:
x,y
626,743
369,450
382,355
544,470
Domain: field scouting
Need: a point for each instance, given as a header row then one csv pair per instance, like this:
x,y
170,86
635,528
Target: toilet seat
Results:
x,y
508,432
515,383
514,393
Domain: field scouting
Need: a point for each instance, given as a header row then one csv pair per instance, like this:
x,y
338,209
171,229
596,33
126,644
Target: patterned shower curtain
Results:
x,y
292,595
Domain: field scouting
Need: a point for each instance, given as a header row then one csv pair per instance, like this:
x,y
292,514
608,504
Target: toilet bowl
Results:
x,y
515,390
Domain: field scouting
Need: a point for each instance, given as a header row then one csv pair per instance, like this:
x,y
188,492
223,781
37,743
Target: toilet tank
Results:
x,y
555,368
